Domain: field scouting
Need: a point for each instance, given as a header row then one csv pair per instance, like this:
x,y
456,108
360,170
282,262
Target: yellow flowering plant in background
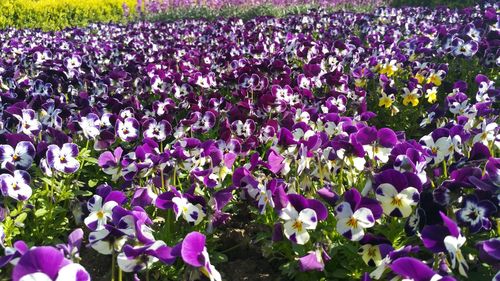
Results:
x,y
59,14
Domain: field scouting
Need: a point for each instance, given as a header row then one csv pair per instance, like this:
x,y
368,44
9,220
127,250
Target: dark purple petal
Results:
x,y
40,259
412,268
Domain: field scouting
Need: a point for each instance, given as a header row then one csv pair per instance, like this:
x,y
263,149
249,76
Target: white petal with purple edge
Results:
x,y
73,271
37,276
365,218
308,218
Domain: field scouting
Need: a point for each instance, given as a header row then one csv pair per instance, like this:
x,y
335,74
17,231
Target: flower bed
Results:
x,y
342,146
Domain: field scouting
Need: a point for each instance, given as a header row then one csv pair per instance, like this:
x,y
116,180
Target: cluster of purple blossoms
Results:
x,y
180,124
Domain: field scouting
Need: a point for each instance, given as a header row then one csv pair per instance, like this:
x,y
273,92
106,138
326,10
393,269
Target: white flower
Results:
x,y
352,224
297,224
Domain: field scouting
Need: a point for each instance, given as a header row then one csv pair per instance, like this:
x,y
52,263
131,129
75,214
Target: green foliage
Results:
x,y
434,3
245,13
59,14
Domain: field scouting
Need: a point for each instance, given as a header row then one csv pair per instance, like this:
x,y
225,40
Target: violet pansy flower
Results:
x,y
46,264
71,250
475,213
415,270
192,213
314,260
28,123
90,125
355,214
297,223
446,238
20,157
16,185
100,212
128,129
194,253
111,163
135,259
301,214
156,130
63,159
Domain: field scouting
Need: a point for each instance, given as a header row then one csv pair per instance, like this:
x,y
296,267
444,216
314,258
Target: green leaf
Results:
x,y
40,212
92,182
21,218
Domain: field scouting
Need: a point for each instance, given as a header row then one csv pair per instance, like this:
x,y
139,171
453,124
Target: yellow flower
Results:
x,y
431,95
386,101
420,78
434,79
389,69
411,98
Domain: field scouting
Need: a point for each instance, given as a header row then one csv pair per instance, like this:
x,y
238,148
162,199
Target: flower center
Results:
x,y
297,225
100,214
473,214
15,157
396,201
372,252
434,150
352,222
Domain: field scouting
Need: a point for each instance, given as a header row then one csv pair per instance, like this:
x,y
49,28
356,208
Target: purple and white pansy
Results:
x,y
397,192
63,159
16,185
206,126
20,157
356,214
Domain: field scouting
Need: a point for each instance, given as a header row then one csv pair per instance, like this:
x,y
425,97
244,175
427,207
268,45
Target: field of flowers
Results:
x,y
318,146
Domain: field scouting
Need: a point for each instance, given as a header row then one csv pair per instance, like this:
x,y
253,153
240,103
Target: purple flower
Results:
x,y
47,263
63,159
243,129
16,185
156,130
75,61
475,213
135,259
128,129
297,223
12,254
314,260
203,123
192,213
110,163
99,213
447,238
28,123
71,250
194,253
90,125
414,269
20,158
489,251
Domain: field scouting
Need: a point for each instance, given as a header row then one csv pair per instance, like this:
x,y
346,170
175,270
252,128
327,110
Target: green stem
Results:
x,y
120,274
445,170
341,175
113,266
320,170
